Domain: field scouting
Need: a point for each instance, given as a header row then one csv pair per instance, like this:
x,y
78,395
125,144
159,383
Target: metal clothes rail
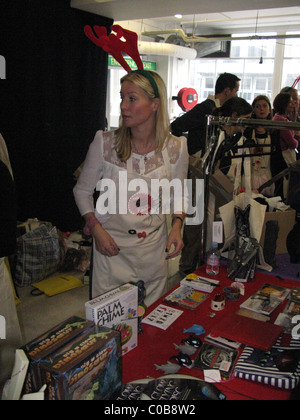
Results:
x,y
211,145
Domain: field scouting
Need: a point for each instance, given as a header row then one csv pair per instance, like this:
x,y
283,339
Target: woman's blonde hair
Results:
x,y
123,144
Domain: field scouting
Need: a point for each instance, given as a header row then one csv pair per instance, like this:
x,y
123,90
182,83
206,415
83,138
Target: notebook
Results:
x,y
254,333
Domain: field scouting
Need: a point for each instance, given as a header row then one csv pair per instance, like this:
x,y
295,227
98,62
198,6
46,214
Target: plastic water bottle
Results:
x,y
213,260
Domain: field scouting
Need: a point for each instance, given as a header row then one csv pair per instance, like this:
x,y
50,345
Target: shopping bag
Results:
x,y
57,284
37,255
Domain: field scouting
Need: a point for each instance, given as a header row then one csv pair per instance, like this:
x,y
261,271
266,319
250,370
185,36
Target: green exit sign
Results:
x,y
148,65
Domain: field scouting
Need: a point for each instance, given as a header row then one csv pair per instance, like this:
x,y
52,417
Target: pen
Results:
x,y
204,281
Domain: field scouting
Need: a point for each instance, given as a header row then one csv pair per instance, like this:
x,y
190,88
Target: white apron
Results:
x,y
142,242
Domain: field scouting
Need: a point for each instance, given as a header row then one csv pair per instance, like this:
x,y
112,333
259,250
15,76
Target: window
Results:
x,y
291,64
251,60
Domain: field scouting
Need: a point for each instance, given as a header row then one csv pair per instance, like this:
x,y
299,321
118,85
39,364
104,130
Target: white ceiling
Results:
x,y
202,17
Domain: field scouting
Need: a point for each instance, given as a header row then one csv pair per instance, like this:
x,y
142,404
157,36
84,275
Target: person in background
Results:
x,y
294,114
283,107
194,123
263,168
133,244
8,225
233,108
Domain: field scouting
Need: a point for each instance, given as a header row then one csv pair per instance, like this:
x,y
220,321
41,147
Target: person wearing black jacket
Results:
x,y
194,122
10,334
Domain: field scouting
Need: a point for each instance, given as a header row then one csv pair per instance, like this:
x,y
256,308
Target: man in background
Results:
x,y
194,123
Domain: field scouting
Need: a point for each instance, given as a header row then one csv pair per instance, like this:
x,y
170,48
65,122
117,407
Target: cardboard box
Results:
x,y
87,368
46,344
286,222
117,309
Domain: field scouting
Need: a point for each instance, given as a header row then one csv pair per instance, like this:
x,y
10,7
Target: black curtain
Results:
x,y
52,102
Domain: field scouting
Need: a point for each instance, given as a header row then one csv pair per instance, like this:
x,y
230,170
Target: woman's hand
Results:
x,y
104,243
175,238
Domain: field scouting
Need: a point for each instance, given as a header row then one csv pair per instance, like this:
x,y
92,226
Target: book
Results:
x,y
267,299
292,309
215,357
162,317
117,310
186,297
295,294
222,342
177,388
258,334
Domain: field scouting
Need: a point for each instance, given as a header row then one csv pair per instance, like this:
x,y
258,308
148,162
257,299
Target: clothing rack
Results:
x,y
247,122
207,167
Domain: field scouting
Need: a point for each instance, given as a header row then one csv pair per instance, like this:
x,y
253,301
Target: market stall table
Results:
x,y
156,346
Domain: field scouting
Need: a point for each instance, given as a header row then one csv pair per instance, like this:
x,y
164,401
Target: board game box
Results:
x,y
87,368
48,342
117,309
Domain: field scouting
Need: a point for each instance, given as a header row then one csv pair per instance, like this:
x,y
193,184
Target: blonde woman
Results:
x,y
131,241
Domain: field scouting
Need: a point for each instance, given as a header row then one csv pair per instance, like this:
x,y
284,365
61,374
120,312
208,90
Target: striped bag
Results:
x,y
279,367
37,255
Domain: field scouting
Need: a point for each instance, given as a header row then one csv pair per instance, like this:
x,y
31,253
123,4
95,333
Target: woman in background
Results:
x,y
283,106
261,165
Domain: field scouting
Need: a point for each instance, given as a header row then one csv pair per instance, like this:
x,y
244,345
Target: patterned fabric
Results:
x,y
279,367
37,255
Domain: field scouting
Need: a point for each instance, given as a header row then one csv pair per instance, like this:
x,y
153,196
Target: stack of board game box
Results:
x,y
76,360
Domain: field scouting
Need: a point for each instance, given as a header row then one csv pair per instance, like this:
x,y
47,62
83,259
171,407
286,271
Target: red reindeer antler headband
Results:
x,y
296,82
118,41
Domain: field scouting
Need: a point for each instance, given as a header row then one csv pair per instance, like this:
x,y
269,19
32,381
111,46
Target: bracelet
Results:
x,y
90,223
176,217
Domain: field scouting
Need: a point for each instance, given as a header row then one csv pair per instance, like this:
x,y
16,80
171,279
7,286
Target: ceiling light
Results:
x,y
178,16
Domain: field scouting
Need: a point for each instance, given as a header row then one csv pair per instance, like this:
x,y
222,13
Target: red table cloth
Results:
x,y
156,346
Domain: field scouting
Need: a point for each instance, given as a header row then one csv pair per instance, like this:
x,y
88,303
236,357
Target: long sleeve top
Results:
x,y
287,138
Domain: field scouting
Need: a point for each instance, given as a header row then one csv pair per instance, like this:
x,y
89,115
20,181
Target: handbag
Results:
x,y
37,255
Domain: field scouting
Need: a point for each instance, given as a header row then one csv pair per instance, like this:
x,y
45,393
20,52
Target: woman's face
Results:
x,y
261,109
295,100
136,107
290,107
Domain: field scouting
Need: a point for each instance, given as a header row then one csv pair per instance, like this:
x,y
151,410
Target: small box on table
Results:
x,y
117,309
87,368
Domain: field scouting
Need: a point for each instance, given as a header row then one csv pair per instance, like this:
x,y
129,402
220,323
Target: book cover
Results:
x,y
211,356
258,334
267,299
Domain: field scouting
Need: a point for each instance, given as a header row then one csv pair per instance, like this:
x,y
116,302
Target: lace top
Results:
x,y
102,162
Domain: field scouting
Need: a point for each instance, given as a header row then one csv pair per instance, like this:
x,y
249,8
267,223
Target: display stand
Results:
x,y
214,124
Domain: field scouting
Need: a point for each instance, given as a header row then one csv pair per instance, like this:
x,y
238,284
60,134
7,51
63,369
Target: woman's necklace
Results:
x,y
143,154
